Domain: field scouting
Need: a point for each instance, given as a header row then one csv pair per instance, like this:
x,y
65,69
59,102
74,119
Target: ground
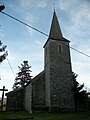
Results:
x,y
46,115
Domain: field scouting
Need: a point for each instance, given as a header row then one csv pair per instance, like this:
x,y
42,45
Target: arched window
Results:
x,y
60,48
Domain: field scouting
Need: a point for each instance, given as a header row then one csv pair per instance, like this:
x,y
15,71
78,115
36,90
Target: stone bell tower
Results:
x,y
58,70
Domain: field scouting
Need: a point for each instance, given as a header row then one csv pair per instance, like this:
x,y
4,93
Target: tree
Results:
x,y
2,7
23,76
2,50
80,95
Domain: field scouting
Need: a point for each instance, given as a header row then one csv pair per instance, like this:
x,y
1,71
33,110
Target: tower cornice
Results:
x,y
63,39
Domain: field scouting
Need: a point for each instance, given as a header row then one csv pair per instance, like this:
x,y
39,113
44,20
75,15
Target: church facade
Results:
x,y
52,89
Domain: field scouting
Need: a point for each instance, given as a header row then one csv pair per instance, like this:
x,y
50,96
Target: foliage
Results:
x,y
81,96
77,86
23,76
2,50
2,7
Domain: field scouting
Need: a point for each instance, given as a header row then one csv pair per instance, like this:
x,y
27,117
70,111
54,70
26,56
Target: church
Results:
x,y
52,89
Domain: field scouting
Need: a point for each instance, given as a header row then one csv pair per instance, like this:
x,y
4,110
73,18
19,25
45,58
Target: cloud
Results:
x,y
7,77
81,19
77,12
66,5
41,3
12,56
75,21
32,3
39,43
27,16
30,19
30,31
24,15
1,34
80,67
77,28
25,3
7,80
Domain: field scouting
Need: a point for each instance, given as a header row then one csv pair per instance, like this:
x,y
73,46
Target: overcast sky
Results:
x,y
24,43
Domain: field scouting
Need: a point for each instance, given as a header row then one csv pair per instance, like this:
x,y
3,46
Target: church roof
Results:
x,y
55,31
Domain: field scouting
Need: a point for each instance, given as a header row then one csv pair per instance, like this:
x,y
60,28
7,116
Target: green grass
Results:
x,y
45,115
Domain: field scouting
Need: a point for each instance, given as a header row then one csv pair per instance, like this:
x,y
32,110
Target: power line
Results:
x,y
79,52
10,66
42,32
25,24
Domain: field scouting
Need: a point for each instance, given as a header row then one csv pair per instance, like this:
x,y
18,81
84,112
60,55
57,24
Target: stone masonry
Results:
x,y
52,88
58,71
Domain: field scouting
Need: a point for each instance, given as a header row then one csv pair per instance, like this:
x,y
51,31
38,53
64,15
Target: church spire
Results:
x,y
55,31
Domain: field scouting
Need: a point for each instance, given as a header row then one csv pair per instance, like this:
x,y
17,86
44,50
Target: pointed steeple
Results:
x,y
55,31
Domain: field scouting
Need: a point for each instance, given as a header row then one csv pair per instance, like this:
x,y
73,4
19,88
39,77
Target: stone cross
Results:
x,y
3,96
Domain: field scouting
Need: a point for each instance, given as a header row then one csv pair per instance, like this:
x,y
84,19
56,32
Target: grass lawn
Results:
x,y
44,115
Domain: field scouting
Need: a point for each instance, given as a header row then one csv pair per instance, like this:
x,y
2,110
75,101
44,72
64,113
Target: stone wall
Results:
x,y
61,83
28,98
47,72
16,100
58,76
38,92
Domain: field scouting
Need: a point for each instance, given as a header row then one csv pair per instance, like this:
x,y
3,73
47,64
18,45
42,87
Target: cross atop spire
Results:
x,y
55,31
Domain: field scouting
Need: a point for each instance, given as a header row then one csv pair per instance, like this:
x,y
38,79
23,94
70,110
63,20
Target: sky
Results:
x,y
24,43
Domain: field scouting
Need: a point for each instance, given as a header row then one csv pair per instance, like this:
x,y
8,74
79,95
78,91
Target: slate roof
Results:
x,y
55,31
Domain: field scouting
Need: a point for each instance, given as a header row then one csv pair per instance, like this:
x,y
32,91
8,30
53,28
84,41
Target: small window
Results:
x,y
60,48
